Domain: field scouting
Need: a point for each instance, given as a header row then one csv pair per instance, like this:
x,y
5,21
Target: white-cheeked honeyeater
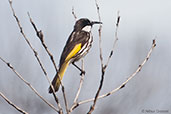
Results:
x,y
76,47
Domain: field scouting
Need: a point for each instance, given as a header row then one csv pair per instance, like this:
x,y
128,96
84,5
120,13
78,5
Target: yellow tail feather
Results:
x,y
56,80
61,74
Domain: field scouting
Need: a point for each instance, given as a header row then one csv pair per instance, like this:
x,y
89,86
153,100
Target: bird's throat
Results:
x,y
87,28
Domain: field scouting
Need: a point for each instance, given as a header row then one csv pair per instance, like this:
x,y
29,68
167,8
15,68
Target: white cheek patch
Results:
x,y
87,28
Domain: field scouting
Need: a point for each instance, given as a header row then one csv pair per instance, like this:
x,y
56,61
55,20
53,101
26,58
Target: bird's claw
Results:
x,y
82,73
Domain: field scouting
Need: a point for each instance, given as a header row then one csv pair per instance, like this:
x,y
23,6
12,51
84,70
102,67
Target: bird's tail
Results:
x,y
56,81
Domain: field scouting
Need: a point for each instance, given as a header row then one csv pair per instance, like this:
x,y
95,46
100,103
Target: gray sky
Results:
x,y
141,21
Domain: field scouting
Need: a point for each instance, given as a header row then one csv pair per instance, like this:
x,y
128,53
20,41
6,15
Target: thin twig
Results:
x,y
102,65
40,35
73,13
65,100
64,95
98,92
81,82
79,89
26,39
100,38
12,104
41,38
28,84
115,41
101,60
125,82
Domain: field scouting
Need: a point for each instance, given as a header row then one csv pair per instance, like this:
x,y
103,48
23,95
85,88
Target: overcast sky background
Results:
x,y
141,22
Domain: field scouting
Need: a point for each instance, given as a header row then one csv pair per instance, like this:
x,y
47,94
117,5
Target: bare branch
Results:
x,y
73,13
101,60
12,104
40,35
79,89
64,96
103,67
34,51
98,92
125,82
26,39
41,38
28,84
115,41
100,38
81,82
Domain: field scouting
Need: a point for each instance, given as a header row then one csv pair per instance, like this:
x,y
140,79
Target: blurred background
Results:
x,y
141,22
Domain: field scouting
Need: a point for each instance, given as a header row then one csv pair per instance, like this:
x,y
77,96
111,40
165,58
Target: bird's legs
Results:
x,y
82,71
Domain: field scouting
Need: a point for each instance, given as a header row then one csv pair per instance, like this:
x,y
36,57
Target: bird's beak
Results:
x,y
96,22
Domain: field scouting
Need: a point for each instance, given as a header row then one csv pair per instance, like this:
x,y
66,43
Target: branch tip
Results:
x,y
154,42
111,53
118,20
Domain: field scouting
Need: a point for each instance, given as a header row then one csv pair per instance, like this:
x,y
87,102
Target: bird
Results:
x,y
77,46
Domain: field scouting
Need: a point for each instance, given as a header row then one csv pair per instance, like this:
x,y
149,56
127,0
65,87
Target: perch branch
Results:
x,y
79,89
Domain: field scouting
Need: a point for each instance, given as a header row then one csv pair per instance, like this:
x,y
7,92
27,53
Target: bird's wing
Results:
x,y
76,41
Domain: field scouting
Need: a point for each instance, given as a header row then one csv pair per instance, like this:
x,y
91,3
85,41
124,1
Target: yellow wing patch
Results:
x,y
65,64
73,52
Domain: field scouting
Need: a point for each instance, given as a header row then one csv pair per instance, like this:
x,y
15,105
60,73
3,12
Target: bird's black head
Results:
x,y
83,22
